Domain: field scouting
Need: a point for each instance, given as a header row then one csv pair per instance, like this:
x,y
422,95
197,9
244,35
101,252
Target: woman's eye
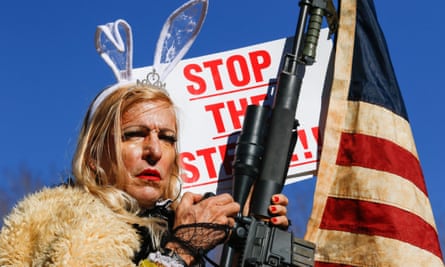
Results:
x,y
171,139
131,135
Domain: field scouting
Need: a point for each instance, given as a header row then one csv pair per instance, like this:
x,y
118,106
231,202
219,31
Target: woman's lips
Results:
x,y
149,175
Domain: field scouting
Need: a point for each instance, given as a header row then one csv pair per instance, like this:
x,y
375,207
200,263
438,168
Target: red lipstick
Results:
x,y
149,175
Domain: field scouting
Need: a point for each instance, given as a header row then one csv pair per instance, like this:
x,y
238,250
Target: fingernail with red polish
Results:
x,y
274,220
273,209
276,199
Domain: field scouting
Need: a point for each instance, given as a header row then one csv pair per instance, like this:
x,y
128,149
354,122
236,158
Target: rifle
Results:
x,y
263,153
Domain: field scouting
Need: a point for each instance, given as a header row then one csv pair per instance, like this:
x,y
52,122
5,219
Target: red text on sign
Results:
x,y
233,110
240,70
222,153
210,163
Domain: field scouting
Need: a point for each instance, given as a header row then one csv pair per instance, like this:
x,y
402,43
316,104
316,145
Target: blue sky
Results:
x,y
50,70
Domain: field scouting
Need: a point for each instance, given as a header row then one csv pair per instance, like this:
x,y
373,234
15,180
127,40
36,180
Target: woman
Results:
x,y
116,210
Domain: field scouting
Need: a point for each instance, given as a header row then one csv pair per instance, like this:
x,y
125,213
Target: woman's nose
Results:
x,y
152,148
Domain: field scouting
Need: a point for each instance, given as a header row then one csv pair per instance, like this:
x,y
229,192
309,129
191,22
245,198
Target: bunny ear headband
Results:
x,y
114,43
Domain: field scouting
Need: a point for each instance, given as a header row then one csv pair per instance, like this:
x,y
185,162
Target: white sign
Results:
x,y
212,93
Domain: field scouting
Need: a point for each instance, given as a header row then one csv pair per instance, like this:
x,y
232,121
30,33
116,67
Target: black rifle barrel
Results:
x,y
267,164
281,128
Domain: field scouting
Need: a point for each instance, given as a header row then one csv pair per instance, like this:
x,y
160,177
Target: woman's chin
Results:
x,y
146,196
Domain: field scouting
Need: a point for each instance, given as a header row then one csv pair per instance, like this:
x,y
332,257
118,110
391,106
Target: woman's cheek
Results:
x,y
130,154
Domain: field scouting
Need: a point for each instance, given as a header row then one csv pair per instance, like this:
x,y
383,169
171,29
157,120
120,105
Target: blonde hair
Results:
x,y
97,164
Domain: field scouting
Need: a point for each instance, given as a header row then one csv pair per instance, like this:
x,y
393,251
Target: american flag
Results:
x,y
371,206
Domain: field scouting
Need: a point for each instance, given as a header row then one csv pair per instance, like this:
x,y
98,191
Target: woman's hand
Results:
x,y
201,224
219,209
195,217
278,210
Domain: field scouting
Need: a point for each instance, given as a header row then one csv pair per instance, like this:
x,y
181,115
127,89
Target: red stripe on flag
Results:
x,y
363,217
380,154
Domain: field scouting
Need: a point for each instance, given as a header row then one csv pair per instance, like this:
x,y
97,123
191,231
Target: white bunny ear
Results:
x,y
117,53
178,34
112,48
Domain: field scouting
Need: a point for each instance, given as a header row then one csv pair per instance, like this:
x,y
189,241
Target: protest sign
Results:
x,y
212,93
